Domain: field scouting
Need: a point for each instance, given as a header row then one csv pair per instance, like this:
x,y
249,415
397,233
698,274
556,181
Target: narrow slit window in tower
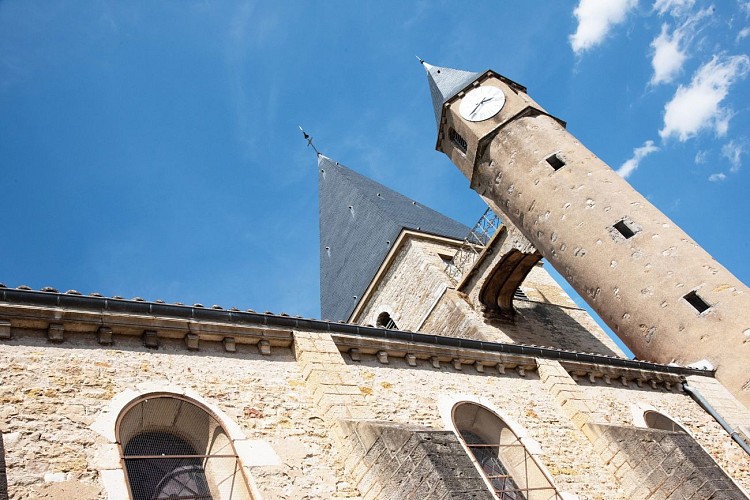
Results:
x,y
555,161
624,229
697,302
458,141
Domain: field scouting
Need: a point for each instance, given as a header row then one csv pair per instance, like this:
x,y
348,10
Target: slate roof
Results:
x,y
359,221
445,83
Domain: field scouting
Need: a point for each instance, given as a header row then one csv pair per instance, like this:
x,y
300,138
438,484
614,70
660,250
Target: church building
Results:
x,y
447,363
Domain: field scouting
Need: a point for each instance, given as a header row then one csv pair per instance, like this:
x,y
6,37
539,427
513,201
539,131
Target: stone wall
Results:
x,y
302,402
423,395
3,475
654,463
391,461
618,405
413,282
418,295
51,394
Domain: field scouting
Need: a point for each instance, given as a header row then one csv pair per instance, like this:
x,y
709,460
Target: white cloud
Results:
x,y
701,157
744,32
718,177
668,57
697,106
733,152
639,154
670,50
674,7
595,19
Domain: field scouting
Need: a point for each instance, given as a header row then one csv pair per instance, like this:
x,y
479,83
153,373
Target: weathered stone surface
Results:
x,y
664,464
408,461
50,395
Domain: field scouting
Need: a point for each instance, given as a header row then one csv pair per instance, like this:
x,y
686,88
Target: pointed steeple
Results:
x,y
445,83
360,220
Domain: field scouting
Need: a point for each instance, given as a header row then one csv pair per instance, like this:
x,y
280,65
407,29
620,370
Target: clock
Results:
x,y
482,103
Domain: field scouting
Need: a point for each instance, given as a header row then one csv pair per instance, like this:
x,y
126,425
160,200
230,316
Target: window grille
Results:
x,y
385,321
173,448
458,141
506,464
519,294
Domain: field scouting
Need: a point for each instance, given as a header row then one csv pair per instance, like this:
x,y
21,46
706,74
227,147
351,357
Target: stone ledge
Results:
x,y
428,354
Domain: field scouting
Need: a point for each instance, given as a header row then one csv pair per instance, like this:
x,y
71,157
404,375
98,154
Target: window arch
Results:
x,y
173,447
507,466
385,321
656,420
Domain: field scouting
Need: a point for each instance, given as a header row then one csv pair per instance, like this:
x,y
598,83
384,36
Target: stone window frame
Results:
x,y
380,309
446,405
108,462
639,417
190,441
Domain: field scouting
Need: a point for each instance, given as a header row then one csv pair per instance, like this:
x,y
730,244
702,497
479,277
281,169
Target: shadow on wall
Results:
x,y
550,325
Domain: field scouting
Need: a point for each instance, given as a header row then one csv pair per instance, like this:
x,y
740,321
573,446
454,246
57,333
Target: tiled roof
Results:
x,y
359,221
445,83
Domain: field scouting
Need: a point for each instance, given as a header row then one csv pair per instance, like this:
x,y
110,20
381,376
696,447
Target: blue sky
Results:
x,y
151,148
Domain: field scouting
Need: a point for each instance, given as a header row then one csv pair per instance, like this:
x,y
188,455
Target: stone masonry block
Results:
x,y
369,482
264,347
150,339
192,342
4,329
230,345
368,435
55,332
104,335
395,438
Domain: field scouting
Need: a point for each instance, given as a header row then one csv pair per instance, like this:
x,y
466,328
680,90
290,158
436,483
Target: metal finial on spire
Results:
x,y
421,61
309,140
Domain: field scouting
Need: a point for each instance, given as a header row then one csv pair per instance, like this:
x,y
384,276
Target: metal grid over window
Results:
x,y
173,448
510,470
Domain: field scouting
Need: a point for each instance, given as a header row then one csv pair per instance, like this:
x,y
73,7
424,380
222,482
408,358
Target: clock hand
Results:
x,y
486,99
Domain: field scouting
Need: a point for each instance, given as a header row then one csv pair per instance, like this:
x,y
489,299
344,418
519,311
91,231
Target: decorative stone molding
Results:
x,y
55,332
104,335
417,353
229,344
192,342
150,339
264,347
5,330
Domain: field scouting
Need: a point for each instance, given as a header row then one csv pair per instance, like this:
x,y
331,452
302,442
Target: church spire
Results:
x,y
445,83
360,220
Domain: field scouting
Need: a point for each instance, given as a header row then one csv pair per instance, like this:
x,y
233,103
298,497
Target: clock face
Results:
x,y
482,103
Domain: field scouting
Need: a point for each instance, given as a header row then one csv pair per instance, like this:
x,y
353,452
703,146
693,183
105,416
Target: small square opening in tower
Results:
x,y
624,229
697,302
555,161
458,141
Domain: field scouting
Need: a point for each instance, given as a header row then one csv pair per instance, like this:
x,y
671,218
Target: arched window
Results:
x,y
502,458
655,420
385,321
174,448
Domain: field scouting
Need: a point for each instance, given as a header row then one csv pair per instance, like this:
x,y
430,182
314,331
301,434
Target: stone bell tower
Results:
x,y
663,295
